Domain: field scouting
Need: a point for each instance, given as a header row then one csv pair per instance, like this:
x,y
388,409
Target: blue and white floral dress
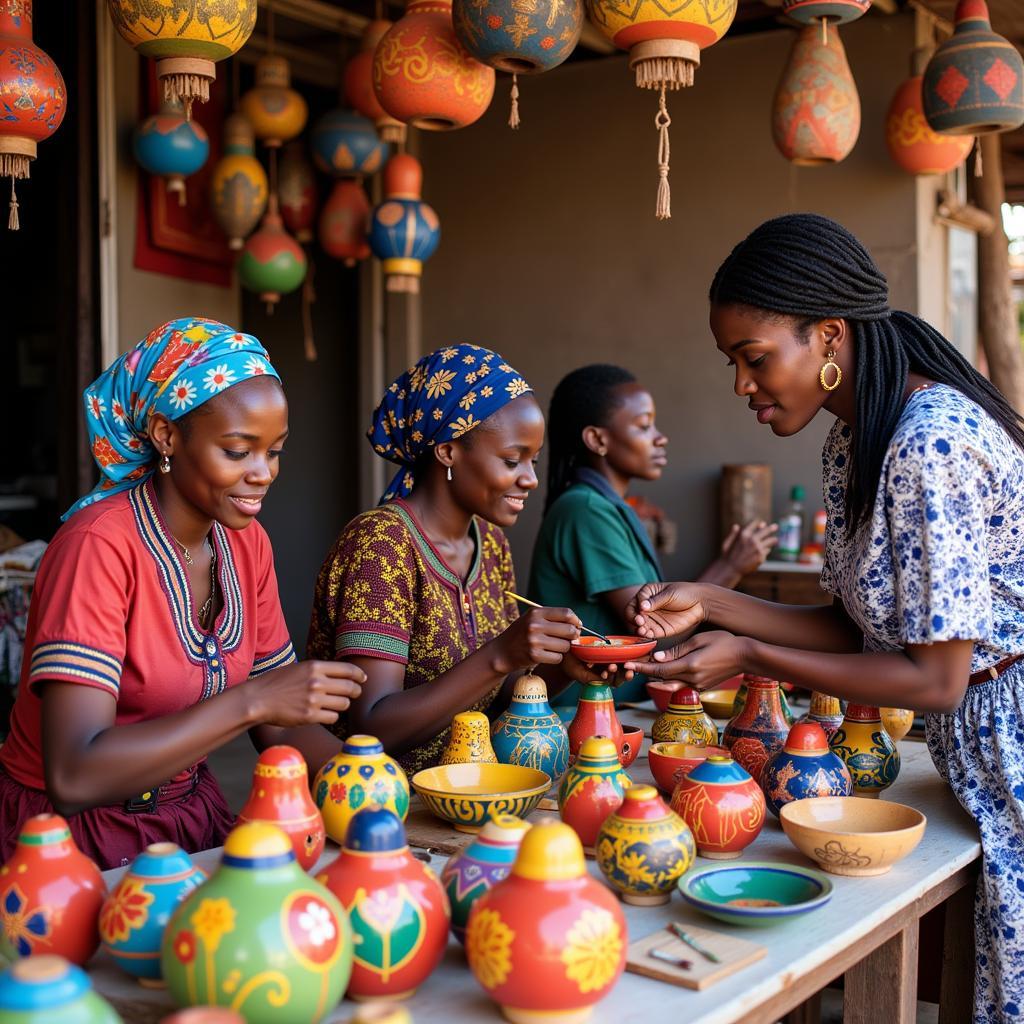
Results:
x,y
943,559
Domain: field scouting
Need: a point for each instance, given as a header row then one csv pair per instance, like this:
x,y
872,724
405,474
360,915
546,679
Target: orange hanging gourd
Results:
x,y
358,83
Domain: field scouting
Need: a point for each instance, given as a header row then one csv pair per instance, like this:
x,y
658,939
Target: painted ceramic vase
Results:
x,y
358,84
974,83
469,740
280,796
346,145
47,989
296,191
897,722
50,893
359,777
867,750
238,185
685,721
825,711
592,788
521,38
595,716
135,914
759,729
396,905
424,76
550,941
529,732
805,767
272,262
644,847
480,866
260,936
275,110
344,222
816,112
723,806
171,147
740,700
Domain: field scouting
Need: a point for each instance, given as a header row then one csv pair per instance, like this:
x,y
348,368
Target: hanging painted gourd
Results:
x,y
344,223
424,76
346,145
32,96
238,186
296,192
974,84
167,145
521,38
275,110
272,262
358,84
816,112
912,143
186,39
822,12
664,43
404,231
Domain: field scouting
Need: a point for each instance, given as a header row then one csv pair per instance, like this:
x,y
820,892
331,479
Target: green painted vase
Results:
x,y
867,749
685,721
260,937
529,733
46,989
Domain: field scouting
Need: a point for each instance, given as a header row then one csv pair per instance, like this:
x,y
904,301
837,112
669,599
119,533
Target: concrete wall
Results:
x,y
550,252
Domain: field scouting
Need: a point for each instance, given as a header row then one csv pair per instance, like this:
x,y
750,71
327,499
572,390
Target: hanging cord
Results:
x,y
978,169
234,82
513,117
308,298
13,223
663,207
824,31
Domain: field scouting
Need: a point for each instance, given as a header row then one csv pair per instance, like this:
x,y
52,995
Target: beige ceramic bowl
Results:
x,y
852,835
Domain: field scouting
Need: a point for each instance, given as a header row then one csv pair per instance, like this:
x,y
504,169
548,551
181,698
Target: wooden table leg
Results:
x,y
956,993
808,1012
883,986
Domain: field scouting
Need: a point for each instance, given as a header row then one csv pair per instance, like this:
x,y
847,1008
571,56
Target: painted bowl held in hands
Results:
x,y
622,648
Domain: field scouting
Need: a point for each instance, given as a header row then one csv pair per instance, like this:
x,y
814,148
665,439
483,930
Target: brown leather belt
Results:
x,y
994,671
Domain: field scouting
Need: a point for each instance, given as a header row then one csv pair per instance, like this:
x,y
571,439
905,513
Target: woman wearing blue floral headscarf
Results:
x,y
154,600
414,591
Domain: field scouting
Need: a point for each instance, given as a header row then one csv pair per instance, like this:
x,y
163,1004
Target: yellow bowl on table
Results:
x,y
469,795
718,703
849,835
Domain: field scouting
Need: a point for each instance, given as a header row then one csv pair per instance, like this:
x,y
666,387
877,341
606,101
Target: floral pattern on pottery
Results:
x,y
469,740
396,905
529,732
592,788
759,729
868,752
685,721
805,767
135,914
643,848
259,936
480,866
359,777
46,989
50,893
549,940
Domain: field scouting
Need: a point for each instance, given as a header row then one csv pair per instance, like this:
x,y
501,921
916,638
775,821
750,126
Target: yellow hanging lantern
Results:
x,y
276,112
186,39
664,42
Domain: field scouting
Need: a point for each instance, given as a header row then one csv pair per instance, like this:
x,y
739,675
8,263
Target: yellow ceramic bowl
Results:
x,y
469,795
852,835
718,703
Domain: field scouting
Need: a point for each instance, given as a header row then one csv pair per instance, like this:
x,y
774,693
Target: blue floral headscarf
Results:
x,y
445,395
173,370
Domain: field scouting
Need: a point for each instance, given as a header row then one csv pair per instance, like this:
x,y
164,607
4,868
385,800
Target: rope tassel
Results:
x,y
513,117
978,169
13,223
662,121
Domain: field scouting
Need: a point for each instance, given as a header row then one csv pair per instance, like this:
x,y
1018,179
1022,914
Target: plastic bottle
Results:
x,y
791,528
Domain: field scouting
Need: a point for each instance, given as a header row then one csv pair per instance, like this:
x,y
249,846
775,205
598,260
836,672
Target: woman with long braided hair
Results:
x,y
924,488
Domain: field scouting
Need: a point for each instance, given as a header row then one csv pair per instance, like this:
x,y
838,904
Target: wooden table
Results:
x,y
868,931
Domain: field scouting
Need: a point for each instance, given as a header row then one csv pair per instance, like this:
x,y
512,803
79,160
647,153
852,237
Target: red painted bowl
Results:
x,y
661,690
672,761
621,649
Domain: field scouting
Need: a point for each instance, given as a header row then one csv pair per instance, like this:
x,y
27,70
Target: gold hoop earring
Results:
x,y
830,356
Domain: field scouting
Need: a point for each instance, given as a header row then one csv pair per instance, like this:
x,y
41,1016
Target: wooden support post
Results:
x,y
997,315
956,994
883,986
808,1012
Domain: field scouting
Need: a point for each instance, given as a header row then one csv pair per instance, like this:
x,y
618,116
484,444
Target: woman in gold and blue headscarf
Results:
x,y
155,600
415,591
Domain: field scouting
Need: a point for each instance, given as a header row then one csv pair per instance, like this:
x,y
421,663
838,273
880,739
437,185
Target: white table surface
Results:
x,y
795,949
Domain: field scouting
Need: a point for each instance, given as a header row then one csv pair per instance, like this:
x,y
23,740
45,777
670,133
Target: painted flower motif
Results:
x,y
517,387
237,341
212,921
469,360
97,406
321,792
437,414
417,436
185,947
471,377
183,393
489,947
118,411
463,425
126,910
634,867
448,353
467,400
486,392
440,383
482,370
318,923
218,378
417,377
593,948
338,792
20,926
254,367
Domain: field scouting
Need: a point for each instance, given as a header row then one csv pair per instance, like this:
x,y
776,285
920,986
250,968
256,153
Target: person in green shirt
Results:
x,y
592,553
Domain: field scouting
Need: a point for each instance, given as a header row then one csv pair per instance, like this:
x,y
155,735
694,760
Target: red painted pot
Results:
x,y
595,716
591,789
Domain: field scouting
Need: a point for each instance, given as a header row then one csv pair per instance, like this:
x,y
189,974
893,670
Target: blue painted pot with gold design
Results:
x,y
529,732
346,145
867,750
805,767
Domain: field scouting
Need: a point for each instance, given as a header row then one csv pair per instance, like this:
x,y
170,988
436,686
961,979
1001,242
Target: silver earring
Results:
x,y
449,474
165,464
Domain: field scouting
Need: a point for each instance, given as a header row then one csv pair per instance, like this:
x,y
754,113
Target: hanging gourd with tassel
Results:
x,y
517,37
664,44
358,84
186,39
170,147
32,97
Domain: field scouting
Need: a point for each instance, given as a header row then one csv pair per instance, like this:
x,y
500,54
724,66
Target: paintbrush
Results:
x,y
678,932
533,604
